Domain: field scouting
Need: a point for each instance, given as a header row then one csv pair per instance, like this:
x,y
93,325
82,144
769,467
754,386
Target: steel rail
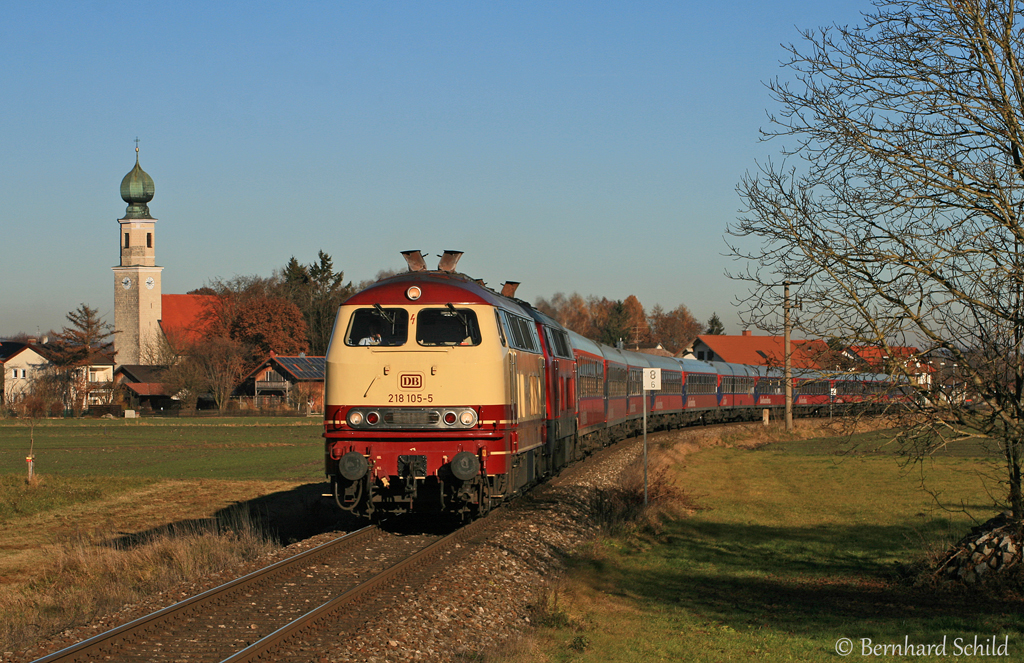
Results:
x,y
107,642
268,644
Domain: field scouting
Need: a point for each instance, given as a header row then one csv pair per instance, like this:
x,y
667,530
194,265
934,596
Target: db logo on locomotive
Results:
x,y
410,381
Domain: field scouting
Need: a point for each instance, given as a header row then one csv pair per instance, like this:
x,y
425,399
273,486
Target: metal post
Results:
x,y
643,394
787,352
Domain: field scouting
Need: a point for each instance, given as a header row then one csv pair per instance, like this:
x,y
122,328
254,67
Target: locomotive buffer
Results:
x,y
652,382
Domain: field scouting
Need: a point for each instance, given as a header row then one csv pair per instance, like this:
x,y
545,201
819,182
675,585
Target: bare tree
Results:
x,y
895,211
222,364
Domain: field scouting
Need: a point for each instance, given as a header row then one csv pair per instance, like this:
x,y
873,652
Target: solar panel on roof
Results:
x,y
304,368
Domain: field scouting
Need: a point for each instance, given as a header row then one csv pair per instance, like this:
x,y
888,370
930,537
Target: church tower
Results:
x,y
137,300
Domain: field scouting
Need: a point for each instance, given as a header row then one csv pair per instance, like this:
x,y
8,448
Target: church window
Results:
x,y
126,244
149,240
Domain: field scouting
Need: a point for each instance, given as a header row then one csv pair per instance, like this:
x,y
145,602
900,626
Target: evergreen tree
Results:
x,y
616,326
318,291
715,326
87,334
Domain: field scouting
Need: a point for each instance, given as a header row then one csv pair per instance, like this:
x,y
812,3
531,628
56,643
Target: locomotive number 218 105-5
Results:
x,y
410,398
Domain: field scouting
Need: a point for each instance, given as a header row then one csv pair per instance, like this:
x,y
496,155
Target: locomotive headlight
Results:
x,y
450,418
467,418
372,418
413,293
355,418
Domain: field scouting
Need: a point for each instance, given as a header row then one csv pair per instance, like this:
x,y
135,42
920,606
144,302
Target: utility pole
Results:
x,y
787,353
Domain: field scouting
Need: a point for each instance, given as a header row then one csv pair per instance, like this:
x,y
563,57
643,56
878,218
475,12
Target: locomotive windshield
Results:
x,y
447,326
378,326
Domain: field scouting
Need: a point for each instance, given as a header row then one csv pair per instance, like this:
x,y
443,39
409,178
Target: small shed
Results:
x,y
289,382
144,386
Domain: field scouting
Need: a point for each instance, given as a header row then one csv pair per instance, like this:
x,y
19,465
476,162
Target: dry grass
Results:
x,y
89,576
622,506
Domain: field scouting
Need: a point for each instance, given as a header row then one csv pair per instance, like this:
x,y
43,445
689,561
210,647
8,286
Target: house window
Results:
x,y
149,240
272,376
126,243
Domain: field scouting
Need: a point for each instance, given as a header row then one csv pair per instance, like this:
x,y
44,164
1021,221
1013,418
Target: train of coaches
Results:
x,y
444,395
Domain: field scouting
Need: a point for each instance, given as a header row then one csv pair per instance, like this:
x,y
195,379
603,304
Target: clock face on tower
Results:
x,y
150,283
127,283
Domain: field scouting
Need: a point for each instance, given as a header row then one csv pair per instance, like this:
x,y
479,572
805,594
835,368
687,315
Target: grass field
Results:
x,y
793,547
242,448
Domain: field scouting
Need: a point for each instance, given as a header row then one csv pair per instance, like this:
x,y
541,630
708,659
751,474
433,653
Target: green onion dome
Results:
x,y
137,190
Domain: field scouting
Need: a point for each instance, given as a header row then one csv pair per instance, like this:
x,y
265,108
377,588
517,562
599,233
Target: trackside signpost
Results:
x,y
652,382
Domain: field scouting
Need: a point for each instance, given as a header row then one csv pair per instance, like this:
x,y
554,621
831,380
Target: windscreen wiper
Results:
x,y
384,314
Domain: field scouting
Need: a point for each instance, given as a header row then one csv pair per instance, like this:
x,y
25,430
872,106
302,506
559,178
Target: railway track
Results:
x,y
259,615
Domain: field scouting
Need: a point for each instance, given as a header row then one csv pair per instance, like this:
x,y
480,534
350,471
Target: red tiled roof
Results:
x,y
763,350
146,388
186,317
876,356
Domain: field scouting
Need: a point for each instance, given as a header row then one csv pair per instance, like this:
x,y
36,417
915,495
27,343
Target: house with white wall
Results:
x,y
21,364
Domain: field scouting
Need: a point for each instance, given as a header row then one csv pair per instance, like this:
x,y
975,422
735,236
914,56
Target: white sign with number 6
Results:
x,y
652,379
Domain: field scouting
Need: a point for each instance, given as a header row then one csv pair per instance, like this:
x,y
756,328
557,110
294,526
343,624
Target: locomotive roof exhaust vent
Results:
x,y
415,260
508,289
449,260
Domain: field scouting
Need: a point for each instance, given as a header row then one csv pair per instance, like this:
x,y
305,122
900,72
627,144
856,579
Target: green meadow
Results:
x,y
225,448
83,460
790,548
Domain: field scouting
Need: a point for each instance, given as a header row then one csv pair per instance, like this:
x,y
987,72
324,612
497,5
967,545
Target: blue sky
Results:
x,y
590,147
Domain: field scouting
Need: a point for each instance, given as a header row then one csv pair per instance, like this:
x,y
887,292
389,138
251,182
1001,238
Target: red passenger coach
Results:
x,y
700,391
560,386
590,368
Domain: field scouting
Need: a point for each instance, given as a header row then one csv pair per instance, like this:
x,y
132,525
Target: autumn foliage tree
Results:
x,y
607,321
638,329
674,330
269,324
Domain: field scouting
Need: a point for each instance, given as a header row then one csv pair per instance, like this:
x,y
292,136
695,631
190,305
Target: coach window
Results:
x,y
447,326
382,326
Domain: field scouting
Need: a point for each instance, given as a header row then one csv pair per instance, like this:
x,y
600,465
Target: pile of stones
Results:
x,y
991,548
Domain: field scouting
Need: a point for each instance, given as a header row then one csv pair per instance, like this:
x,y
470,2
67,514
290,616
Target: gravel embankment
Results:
x,y
486,600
